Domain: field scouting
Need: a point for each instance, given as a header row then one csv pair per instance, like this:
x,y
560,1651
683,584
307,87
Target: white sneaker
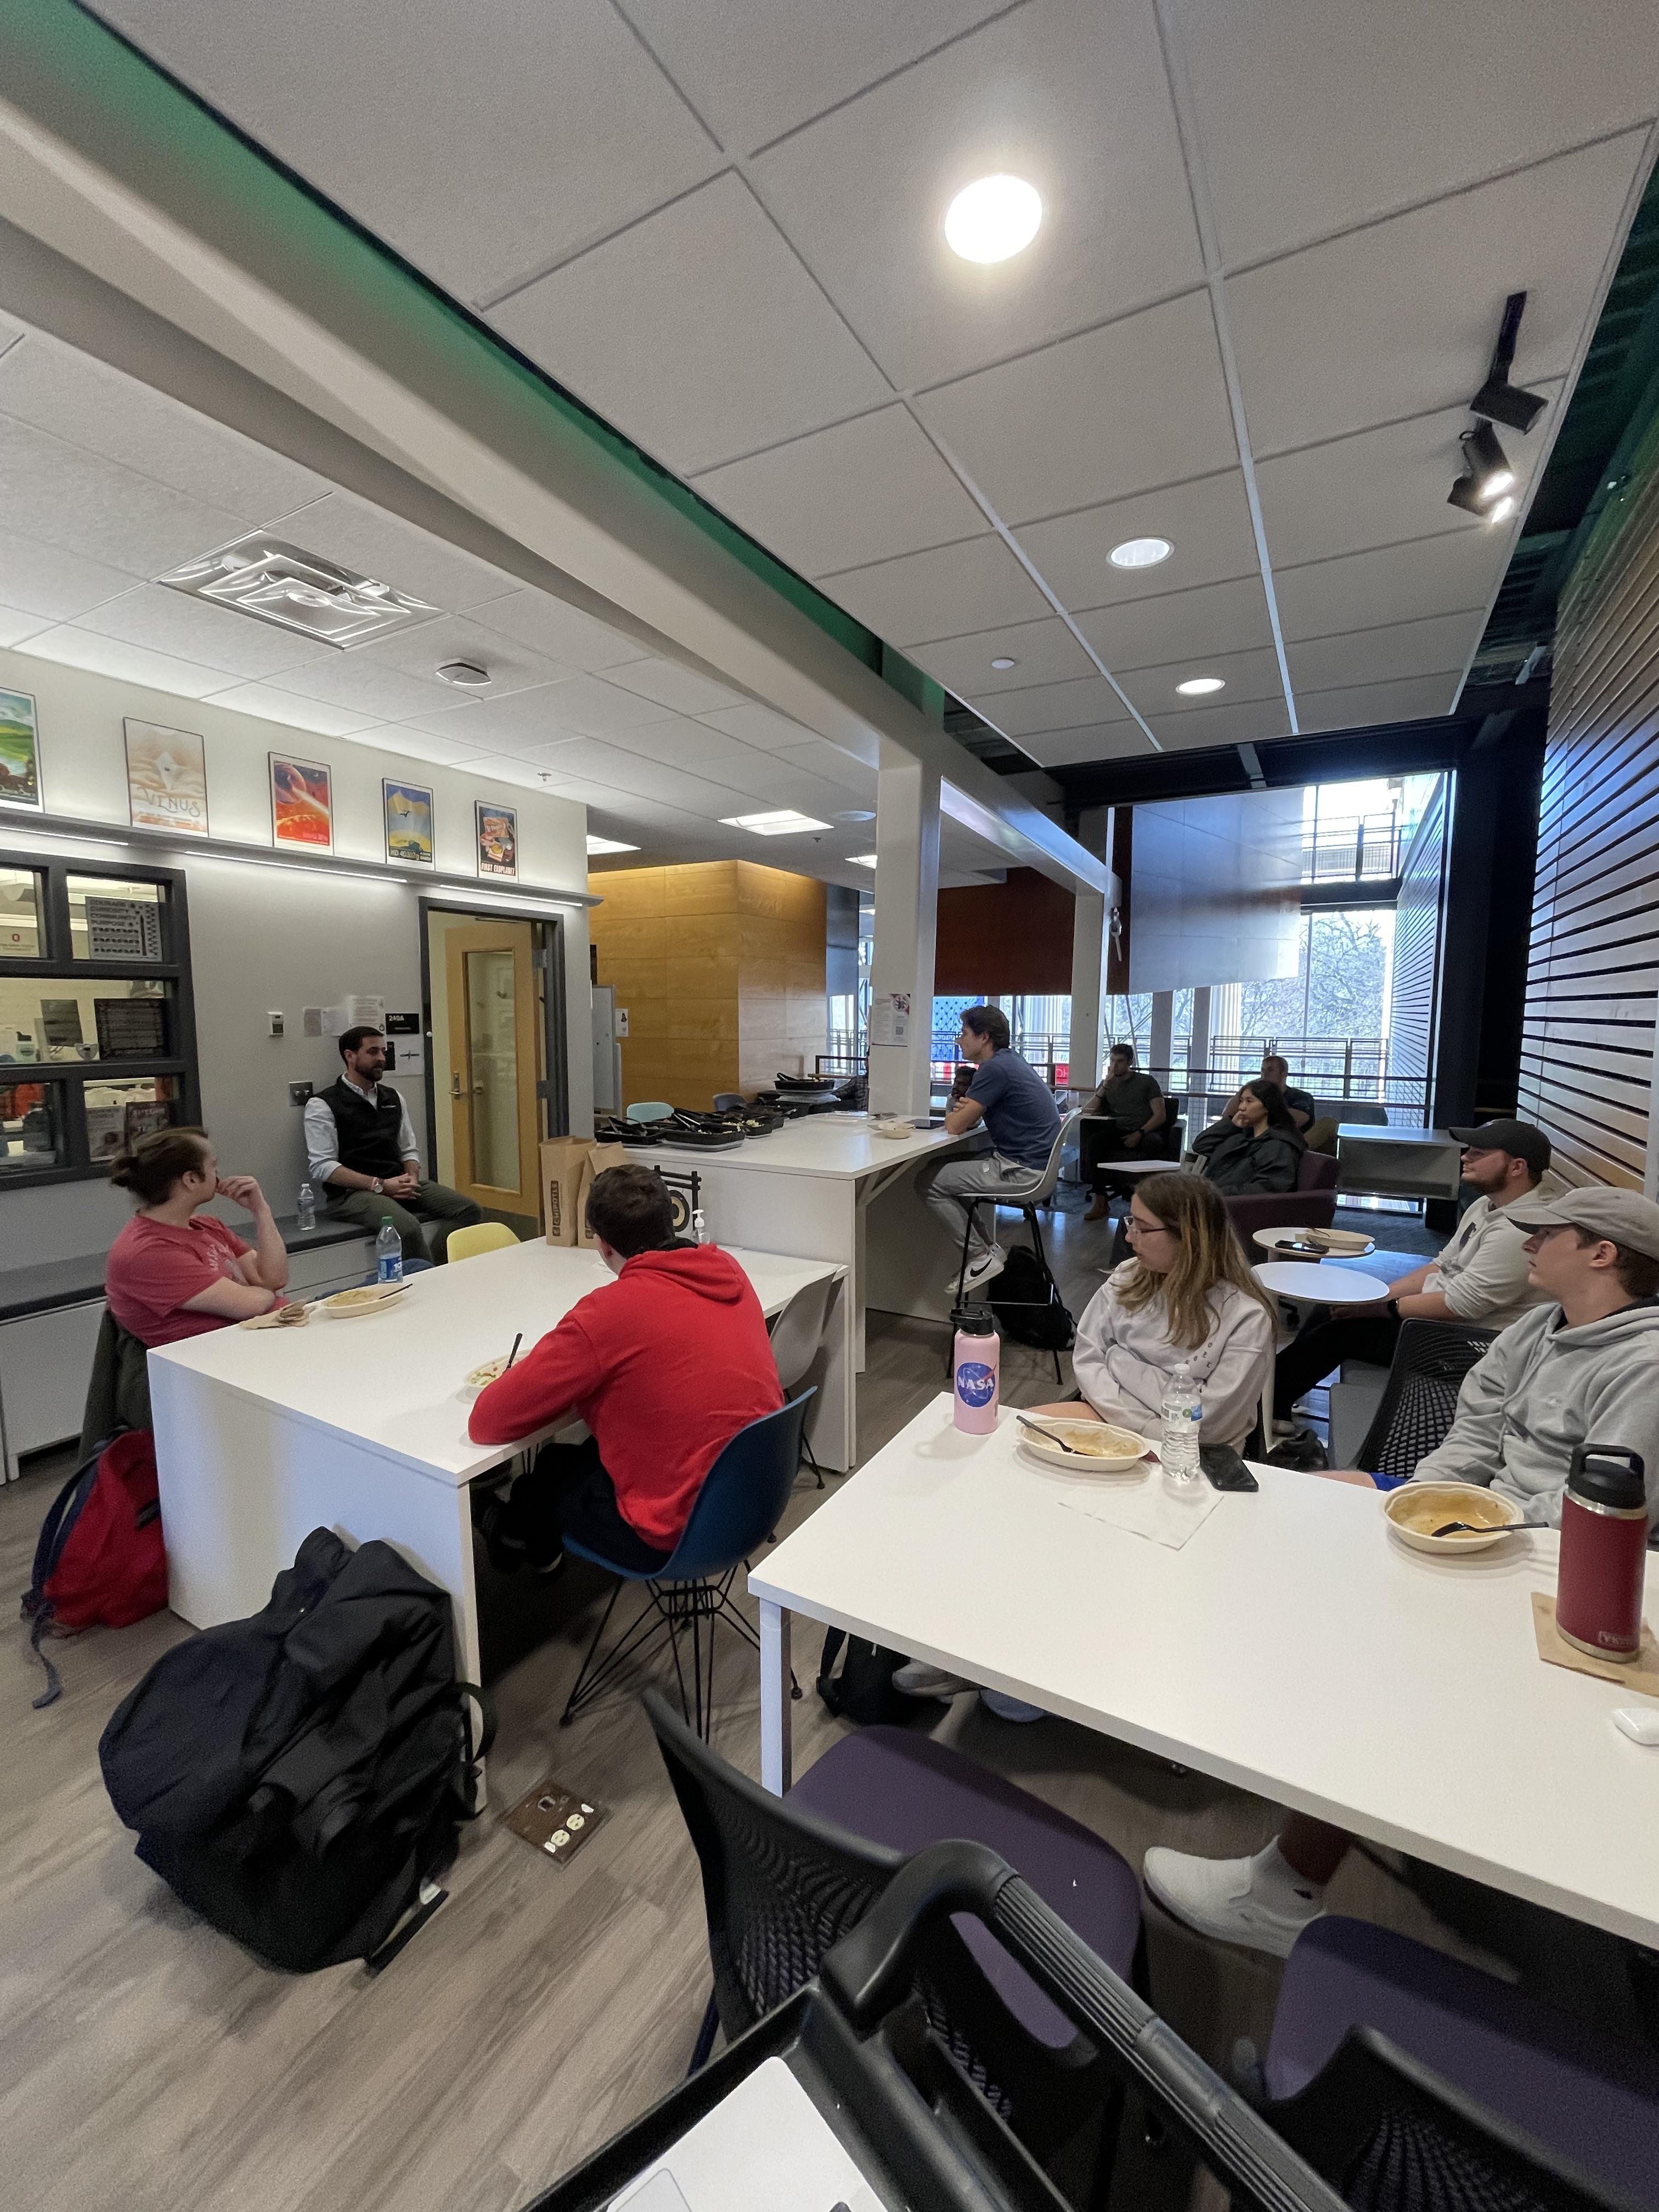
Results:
x,y
982,1269
1011,1708
917,1679
1262,1902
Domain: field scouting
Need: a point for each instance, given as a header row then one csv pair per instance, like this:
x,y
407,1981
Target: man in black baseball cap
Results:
x,y
1479,1277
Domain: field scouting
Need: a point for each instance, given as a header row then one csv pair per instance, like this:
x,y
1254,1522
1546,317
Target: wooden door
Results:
x,y
496,1056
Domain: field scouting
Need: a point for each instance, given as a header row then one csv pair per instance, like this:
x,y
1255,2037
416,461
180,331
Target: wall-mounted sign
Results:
x,y
124,929
498,839
131,1029
167,778
890,1017
301,803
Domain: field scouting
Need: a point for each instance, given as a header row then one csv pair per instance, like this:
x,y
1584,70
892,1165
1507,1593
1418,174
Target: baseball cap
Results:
x,y
1624,1215
1518,1138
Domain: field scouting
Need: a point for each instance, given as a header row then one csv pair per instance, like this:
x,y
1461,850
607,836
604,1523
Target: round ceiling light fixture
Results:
x,y
856,814
1198,687
1005,660
465,674
993,219
1141,553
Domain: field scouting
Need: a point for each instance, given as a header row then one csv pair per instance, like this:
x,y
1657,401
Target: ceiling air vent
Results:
x,y
283,584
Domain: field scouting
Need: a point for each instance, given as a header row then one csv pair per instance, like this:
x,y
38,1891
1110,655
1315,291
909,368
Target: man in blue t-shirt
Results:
x,y
1017,1109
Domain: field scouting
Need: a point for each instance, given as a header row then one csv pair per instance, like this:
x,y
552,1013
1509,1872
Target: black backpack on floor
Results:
x,y
862,1690
300,1779
1026,1301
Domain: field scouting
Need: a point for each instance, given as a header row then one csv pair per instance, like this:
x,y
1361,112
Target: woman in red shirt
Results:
x,y
174,1271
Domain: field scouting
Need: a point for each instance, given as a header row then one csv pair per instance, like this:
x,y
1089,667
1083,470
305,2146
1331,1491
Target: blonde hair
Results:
x,y
1208,1253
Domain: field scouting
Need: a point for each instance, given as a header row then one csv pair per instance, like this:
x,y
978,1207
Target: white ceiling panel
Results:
x,y
1104,741
217,637
698,332
87,504
754,69
1376,656
1054,706
45,580
1247,722
68,393
591,708
483,142
676,689
1385,107
11,331
1396,583
863,491
1206,521
1041,651
366,687
272,704
505,725
132,664
560,632
679,741
15,625
400,737
1070,95
1247,676
1410,699
1401,318
347,529
954,589
852,778
422,651
1211,618
503,768
751,724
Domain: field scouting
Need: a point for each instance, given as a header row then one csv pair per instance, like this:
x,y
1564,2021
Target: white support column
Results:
x,y
907,918
1157,1055
1088,978
1198,1045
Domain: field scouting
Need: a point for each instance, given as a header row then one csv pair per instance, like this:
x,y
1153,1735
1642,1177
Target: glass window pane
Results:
x,y
110,920
493,1057
90,1017
20,914
30,1128
119,1113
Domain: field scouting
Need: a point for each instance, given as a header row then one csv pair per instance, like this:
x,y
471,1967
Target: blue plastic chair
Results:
x,y
742,1500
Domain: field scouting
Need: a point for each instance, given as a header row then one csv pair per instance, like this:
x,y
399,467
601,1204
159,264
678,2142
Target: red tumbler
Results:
x,y
1604,1538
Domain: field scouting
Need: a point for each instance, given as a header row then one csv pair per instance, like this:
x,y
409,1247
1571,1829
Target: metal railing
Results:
x,y
1366,849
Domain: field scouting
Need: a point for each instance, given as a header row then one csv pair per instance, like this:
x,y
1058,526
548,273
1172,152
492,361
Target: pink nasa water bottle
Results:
x,y
974,1366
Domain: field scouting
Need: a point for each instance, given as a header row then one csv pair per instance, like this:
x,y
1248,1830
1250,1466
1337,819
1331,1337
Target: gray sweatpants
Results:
x,y
987,1175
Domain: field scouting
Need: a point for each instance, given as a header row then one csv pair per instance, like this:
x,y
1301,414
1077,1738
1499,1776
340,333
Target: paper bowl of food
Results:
x,y
365,1298
486,1372
1449,1519
1082,1447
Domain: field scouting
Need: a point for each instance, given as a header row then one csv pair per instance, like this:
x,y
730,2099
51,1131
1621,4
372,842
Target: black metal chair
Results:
x,y
1430,1359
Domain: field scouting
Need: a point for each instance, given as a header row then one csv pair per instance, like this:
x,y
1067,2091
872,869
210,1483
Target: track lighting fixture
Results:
x,y
1498,398
1486,475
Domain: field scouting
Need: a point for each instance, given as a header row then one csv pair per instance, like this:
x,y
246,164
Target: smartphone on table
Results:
x,y
1224,1469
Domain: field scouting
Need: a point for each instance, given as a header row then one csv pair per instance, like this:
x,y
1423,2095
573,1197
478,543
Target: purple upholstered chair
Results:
x,y
1311,1204
1478,2094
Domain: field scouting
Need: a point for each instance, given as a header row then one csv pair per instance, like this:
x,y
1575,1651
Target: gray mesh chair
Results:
x,y
1430,1359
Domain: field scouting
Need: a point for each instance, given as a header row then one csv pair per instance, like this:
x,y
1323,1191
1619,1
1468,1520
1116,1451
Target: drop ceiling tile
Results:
x,y
1395,649
559,631
11,331
1075,99
865,490
45,580
591,708
1401,318
697,332
1253,674
1211,619
15,625
1208,522
217,637
1122,410
852,777
1412,698
1104,741
1053,707
272,704
751,724
366,687
1377,488
754,70
953,590
519,720
399,738
676,690
74,396
131,663
481,141
346,529
504,768
680,742
1387,107
1396,583
1041,651
65,496
1247,722
420,652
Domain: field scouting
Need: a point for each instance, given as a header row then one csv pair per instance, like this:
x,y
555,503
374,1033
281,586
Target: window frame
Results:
x,y
57,963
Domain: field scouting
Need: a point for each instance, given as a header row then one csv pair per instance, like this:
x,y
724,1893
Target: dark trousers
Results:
x,y
568,1493
1322,1344
432,1202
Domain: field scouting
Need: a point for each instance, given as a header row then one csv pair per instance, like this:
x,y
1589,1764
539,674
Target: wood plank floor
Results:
x,y
146,2062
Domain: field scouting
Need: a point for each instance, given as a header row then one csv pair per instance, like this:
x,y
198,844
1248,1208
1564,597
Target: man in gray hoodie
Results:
x,y
1583,1369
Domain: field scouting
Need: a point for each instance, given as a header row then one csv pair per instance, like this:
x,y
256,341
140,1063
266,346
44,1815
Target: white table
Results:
x,y
263,1434
1291,1647
1278,1240
825,1187
1321,1282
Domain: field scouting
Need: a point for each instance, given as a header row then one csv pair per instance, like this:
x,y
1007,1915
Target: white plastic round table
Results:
x,y
1320,1282
1274,1240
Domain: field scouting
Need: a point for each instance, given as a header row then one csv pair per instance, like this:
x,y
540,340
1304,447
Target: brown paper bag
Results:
x,y
563,1159
599,1157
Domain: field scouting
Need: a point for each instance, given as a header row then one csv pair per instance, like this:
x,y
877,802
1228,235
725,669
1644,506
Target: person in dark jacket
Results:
x,y
1257,1147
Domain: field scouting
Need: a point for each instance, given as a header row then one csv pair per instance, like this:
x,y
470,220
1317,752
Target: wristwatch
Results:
x,y
377,1188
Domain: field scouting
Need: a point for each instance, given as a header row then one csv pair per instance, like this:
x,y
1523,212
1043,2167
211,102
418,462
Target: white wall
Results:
x,y
264,938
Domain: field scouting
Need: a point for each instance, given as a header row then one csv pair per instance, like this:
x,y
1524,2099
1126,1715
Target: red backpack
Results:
x,y
100,1557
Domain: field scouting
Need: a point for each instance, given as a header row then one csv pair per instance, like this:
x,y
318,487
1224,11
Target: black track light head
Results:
x,y
1498,398
1487,477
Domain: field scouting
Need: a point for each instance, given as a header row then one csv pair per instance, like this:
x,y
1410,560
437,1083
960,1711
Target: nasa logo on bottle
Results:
x,y
976,1382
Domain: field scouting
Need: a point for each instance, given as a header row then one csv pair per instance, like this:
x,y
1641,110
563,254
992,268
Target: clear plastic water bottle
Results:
x,y
1183,1410
305,1208
388,1254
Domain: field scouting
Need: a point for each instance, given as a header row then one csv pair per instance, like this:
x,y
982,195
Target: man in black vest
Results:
x,y
361,1145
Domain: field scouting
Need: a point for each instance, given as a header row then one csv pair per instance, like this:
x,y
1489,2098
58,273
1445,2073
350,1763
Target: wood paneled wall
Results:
x,y
1587,1064
1005,938
720,966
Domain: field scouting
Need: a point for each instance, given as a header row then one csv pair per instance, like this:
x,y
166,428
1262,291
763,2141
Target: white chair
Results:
x,y
796,1338
1021,1197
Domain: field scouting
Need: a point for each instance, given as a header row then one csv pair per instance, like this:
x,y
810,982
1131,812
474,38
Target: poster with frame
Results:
x,y
498,838
167,778
20,752
301,803
407,808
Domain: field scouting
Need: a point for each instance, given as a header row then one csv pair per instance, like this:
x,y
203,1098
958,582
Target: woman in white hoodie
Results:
x,y
1186,1299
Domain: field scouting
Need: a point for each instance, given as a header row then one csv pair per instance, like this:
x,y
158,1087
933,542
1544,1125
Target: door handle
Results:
x,y
454,1087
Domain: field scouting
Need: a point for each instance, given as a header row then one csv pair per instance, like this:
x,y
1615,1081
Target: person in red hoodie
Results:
x,y
665,1365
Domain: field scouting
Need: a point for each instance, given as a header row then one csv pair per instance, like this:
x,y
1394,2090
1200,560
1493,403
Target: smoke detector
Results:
x,y
466,674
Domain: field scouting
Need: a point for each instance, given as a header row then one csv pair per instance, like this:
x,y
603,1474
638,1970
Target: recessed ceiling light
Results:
x,y
1141,553
466,674
1501,510
609,845
1196,686
993,219
782,821
1005,660
856,814
860,859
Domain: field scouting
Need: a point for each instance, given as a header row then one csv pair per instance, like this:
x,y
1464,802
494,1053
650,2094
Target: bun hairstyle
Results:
x,y
156,1165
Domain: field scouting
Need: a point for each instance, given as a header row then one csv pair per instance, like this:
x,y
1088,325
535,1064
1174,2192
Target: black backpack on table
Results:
x,y
300,1779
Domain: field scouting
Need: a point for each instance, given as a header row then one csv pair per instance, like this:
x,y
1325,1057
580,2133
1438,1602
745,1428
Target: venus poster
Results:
x,y
167,778
301,803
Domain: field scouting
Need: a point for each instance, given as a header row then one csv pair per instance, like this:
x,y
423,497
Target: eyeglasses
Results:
x,y
1134,1226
